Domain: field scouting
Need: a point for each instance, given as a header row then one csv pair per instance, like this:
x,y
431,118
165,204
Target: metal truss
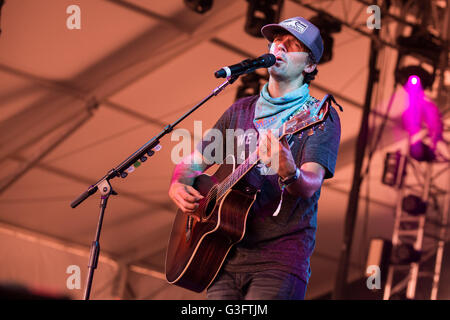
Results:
x,y
426,233
428,15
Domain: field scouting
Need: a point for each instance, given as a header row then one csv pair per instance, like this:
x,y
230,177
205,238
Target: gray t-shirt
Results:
x,y
285,241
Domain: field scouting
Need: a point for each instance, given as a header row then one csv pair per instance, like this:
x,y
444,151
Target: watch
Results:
x,y
288,180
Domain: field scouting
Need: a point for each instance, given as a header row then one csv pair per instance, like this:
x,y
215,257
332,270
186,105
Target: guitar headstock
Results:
x,y
304,120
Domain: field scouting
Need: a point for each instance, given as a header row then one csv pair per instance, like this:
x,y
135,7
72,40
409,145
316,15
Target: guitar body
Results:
x,y
197,250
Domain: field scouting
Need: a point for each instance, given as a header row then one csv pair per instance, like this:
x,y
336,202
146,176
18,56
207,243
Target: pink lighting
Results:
x,y
421,113
414,79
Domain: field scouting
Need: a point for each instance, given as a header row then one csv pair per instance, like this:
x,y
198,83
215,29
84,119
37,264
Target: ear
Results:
x,y
310,68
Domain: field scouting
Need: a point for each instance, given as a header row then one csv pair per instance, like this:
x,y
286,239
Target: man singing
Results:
x,y
272,261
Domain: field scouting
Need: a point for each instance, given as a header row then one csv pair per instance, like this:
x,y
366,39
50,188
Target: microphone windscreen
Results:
x,y
269,60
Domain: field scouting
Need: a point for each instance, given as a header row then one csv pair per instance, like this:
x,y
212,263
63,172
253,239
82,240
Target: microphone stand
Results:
x,y
121,171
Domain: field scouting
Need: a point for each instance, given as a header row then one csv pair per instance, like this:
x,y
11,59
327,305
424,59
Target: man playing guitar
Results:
x,y
272,260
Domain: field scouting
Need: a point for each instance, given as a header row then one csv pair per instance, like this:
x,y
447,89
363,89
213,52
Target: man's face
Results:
x,y
292,57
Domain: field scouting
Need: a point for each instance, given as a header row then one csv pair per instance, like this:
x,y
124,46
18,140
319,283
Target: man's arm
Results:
x,y
309,181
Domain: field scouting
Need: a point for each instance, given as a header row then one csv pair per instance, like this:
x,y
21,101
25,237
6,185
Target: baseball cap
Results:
x,y
300,28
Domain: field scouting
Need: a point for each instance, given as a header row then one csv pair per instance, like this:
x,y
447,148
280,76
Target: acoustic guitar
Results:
x,y
197,249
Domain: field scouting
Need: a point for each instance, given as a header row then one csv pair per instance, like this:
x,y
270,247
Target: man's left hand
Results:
x,y
277,154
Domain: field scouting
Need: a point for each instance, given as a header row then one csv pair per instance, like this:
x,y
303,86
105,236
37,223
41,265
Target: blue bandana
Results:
x,y
273,112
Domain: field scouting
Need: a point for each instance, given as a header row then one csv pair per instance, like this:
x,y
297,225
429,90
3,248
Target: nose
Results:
x,y
279,46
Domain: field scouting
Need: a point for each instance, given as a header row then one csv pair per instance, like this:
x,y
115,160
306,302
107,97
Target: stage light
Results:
x,y
414,205
422,46
422,152
391,169
405,254
414,75
199,6
327,26
260,13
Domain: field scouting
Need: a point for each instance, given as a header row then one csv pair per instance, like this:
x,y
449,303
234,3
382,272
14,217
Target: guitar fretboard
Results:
x,y
237,174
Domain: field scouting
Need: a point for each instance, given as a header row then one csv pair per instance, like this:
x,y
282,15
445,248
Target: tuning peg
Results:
x,y
150,153
123,175
158,147
143,159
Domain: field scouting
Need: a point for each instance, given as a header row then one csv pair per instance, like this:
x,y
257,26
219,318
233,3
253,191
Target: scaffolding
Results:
x,y
419,233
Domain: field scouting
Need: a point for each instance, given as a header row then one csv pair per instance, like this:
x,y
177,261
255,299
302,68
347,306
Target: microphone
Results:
x,y
249,65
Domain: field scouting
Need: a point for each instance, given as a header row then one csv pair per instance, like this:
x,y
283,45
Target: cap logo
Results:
x,y
299,26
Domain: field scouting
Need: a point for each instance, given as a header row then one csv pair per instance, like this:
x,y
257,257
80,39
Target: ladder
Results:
x,y
421,237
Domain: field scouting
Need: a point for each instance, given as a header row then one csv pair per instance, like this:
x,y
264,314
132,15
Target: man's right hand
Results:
x,y
185,197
